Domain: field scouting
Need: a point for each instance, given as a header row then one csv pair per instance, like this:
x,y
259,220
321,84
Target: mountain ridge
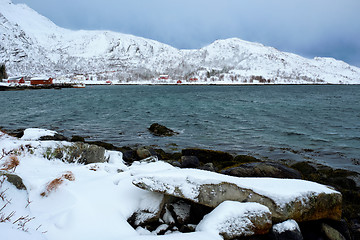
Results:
x,y
31,44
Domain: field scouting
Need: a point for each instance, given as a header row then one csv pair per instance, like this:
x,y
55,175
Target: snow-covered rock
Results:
x,y
36,133
32,45
234,219
286,198
287,230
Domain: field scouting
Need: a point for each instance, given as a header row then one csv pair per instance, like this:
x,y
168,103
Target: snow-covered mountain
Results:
x,y
33,45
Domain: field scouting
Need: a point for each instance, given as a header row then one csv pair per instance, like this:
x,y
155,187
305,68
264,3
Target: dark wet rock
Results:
x,y
326,229
77,138
355,228
208,167
130,156
331,233
107,146
18,133
14,180
190,162
340,226
161,130
56,137
218,158
263,169
145,152
245,159
162,155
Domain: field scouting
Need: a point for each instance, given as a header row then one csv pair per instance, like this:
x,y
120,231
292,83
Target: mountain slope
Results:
x,y
32,45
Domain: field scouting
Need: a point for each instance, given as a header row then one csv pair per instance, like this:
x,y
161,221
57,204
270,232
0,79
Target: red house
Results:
x,y
38,81
16,80
163,77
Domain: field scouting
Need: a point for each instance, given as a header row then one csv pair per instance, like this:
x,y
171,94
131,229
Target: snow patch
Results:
x,y
36,133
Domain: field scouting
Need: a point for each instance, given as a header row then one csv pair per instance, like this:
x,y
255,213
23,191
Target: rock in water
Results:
x,y
286,198
161,131
234,219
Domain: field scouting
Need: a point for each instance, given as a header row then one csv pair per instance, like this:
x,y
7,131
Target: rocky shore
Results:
x,y
238,197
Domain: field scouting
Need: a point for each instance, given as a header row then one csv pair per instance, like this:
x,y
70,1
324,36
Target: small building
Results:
x,y
163,77
41,80
194,79
179,82
79,77
16,80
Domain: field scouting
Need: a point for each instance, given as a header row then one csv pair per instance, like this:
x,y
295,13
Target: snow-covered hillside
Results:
x,y
33,45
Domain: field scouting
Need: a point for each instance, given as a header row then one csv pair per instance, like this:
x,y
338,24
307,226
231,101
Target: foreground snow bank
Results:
x,y
94,204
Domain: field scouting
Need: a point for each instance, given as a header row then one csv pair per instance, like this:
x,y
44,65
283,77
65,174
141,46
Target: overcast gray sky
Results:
x,y
327,28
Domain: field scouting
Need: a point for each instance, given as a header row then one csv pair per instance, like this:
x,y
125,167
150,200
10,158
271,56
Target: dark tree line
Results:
x,y
3,74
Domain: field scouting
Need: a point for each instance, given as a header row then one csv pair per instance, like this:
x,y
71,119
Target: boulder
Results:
x,y
234,219
286,198
14,180
77,138
218,158
288,230
55,137
78,152
87,153
263,169
142,153
149,211
161,131
331,233
208,167
190,162
145,152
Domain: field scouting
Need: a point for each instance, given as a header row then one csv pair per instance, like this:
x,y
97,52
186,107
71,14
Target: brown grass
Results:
x,y
54,184
10,164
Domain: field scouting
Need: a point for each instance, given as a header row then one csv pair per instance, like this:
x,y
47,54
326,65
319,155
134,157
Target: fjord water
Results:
x,y
318,123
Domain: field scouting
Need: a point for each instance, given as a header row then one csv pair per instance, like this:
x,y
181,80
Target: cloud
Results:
x,y
307,27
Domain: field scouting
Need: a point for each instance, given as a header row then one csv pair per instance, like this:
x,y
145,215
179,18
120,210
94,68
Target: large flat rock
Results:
x,y
286,198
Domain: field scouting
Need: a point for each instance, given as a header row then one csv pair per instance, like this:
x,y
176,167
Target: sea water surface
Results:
x,y
318,123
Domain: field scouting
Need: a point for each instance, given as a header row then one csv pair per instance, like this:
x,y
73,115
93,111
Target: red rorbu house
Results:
x,y
38,81
163,77
16,80
193,79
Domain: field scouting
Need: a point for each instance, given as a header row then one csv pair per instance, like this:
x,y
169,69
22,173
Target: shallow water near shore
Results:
x,y
319,123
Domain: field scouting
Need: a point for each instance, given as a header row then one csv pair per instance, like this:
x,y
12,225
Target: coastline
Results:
x,y
346,182
19,87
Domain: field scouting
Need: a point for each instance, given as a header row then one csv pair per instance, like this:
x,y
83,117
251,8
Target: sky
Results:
x,y
310,28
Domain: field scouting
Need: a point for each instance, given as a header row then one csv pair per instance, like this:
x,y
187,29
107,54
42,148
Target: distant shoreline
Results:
x,y
60,86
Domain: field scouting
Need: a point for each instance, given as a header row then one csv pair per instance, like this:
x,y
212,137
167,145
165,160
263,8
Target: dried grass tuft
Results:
x,y
54,184
10,164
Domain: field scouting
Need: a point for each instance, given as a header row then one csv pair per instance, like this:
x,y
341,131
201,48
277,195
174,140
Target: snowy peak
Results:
x,y
31,45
